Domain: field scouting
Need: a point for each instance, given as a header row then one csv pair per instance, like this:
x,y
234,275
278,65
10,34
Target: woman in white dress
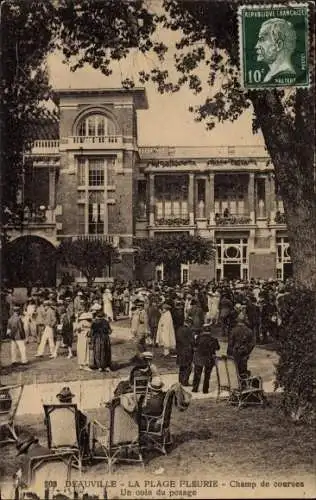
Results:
x,y
83,338
165,331
107,304
213,300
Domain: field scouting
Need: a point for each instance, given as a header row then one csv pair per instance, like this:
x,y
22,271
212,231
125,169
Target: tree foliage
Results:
x,y
90,256
175,249
296,345
26,38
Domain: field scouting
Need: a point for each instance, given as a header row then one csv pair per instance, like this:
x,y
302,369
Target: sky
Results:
x,y
168,120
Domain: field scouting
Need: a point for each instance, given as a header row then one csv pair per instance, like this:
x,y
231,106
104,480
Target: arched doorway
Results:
x,y
30,261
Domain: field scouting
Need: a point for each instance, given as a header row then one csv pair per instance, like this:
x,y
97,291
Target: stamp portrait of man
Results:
x,y
275,46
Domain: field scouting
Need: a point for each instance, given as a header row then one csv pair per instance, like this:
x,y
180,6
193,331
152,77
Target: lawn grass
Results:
x,y
213,439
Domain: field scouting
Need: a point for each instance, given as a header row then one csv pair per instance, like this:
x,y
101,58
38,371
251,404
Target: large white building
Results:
x,y
88,176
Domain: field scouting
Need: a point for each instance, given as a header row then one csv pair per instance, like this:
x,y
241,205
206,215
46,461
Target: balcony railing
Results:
x,y
232,220
108,238
93,141
172,221
29,218
45,146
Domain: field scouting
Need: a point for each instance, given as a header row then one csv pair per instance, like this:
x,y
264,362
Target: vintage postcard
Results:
x,y
158,229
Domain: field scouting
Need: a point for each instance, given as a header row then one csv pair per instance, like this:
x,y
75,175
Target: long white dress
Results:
x,y
165,331
83,331
213,305
107,304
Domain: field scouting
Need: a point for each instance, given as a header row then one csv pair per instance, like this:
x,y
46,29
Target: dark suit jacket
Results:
x,y
154,405
184,345
205,350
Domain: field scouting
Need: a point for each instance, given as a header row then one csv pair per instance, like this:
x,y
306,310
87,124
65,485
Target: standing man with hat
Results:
x,y
203,358
15,330
50,322
139,326
184,347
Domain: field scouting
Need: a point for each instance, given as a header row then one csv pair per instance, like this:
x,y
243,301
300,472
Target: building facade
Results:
x,y
87,176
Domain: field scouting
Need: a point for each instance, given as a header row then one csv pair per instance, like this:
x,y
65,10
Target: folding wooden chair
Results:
x,y
44,473
66,435
10,398
155,430
117,438
223,382
242,391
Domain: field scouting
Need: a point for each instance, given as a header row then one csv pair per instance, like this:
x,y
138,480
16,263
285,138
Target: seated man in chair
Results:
x,y
30,448
143,368
153,406
65,397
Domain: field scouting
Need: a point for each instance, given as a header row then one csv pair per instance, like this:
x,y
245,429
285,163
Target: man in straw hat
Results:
x,y
139,326
50,322
15,331
155,398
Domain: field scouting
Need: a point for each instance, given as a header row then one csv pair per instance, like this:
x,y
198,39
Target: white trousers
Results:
x,y
15,346
47,336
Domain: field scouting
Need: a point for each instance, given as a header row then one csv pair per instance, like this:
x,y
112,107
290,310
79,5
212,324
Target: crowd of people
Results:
x,y
182,319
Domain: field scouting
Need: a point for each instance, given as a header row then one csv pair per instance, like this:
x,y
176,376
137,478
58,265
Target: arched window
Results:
x,y
97,125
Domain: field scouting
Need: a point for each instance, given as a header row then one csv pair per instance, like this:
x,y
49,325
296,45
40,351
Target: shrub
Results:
x,y
296,348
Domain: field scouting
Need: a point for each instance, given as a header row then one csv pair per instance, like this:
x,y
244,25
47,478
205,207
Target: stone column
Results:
x,y
52,188
211,208
267,196
151,199
251,196
191,199
272,198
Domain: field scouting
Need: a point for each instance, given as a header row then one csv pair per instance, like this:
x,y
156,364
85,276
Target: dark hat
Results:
x,y
23,445
65,395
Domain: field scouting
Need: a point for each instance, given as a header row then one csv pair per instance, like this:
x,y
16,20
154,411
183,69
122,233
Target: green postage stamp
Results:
x,y
273,45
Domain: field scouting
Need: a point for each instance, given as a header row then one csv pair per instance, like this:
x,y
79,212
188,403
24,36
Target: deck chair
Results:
x,y
66,434
155,430
223,383
10,399
243,391
117,438
44,470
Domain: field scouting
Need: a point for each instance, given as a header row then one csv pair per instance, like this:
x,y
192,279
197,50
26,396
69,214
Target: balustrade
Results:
x,y
232,219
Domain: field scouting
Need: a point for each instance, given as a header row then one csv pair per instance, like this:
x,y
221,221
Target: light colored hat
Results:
x,y
147,355
156,384
96,307
85,316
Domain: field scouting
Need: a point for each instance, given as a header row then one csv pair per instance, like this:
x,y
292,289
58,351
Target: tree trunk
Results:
x,y
290,145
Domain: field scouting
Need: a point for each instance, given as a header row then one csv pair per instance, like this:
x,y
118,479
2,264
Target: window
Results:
x,y
81,171
81,219
96,172
96,212
93,180
96,125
